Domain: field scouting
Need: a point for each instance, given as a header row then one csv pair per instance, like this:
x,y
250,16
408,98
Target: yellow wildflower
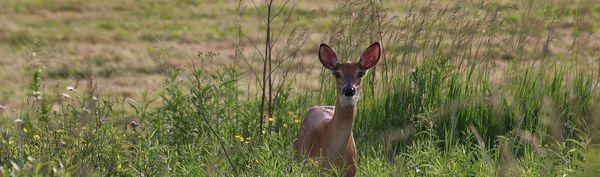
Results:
x,y
239,138
270,119
264,132
24,129
297,121
11,142
285,125
292,115
37,137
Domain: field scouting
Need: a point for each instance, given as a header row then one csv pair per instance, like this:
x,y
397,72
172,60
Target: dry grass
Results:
x,y
127,46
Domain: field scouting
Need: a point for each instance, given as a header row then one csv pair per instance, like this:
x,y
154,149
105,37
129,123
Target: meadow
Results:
x,y
220,88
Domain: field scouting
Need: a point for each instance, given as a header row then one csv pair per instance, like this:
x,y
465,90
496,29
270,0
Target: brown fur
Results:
x,y
325,124
326,132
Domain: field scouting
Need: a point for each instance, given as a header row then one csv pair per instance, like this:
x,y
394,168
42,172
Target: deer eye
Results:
x,y
337,75
361,74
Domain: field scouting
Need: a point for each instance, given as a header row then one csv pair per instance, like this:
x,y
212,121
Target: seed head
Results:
x,y
65,95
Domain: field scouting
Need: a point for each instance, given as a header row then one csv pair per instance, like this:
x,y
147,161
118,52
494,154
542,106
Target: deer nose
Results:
x,y
348,91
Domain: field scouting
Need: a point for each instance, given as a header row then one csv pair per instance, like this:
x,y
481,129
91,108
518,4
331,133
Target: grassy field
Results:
x,y
173,88
128,46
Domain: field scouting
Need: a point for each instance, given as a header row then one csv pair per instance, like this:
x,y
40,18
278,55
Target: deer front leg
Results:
x,y
350,159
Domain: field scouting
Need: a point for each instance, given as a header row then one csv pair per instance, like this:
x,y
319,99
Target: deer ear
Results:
x,y
371,56
328,57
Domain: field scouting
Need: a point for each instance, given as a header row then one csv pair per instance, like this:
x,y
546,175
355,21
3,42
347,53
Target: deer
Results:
x,y
326,131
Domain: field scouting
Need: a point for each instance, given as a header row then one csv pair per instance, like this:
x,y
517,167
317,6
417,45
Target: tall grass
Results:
x,y
463,90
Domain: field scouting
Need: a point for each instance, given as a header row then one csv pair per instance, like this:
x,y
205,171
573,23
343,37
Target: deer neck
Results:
x,y
341,128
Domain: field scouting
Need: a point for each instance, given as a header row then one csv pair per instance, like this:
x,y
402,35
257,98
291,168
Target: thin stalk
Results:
x,y
266,66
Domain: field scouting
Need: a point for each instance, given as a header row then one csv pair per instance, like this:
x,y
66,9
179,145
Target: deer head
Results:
x,y
348,74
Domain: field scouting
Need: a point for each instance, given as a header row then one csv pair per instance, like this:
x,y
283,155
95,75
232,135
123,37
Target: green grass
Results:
x,y
447,99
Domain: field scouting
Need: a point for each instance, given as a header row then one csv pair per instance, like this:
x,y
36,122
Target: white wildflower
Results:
x,y
134,123
70,88
36,93
416,168
103,119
